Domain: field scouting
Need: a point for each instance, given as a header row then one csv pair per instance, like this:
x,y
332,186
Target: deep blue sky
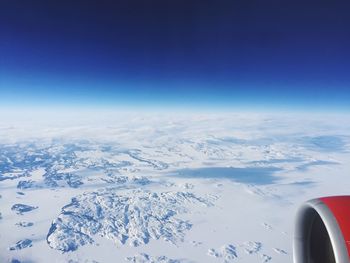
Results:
x,y
230,54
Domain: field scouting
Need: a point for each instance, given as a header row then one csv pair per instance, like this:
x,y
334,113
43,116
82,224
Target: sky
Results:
x,y
234,54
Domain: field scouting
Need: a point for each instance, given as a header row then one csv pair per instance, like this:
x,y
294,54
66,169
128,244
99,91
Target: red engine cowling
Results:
x,y
322,233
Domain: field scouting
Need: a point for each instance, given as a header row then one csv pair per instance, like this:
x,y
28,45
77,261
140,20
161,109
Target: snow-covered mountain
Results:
x,y
195,188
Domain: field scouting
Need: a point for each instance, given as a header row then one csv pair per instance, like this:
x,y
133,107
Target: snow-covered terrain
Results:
x,y
165,188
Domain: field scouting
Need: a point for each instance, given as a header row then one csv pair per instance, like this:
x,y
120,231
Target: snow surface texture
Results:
x,y
167,188
136,218
144,258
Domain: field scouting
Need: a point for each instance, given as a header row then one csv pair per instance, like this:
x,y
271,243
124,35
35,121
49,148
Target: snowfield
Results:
x,y
164,188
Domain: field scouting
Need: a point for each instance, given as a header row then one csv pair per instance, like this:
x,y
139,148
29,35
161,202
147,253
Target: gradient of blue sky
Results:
x,y
278,54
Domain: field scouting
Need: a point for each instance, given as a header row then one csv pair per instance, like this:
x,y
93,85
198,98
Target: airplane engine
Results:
x,y
322,232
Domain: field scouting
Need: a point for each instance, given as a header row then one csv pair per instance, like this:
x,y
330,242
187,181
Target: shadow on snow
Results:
x,y
248,175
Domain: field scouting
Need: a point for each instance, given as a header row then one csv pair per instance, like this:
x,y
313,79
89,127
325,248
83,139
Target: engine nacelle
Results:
x,y
322,233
